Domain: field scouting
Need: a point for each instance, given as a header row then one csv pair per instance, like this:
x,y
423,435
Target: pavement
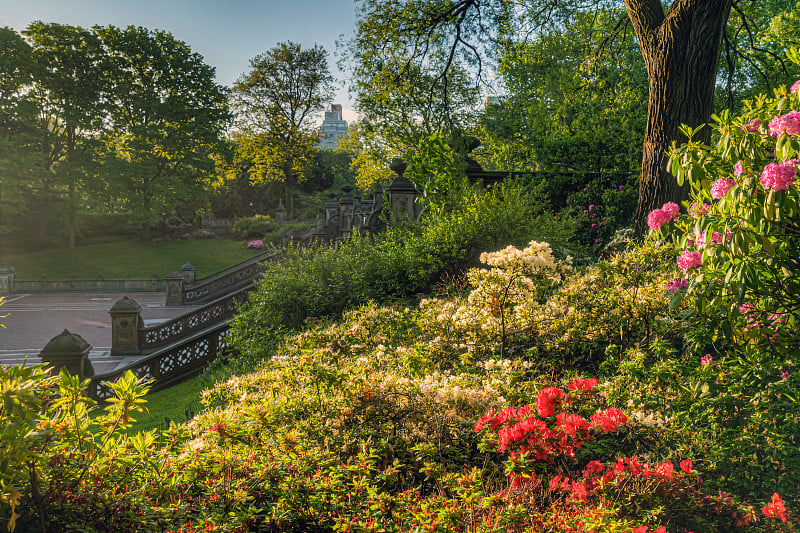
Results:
x,y
32,320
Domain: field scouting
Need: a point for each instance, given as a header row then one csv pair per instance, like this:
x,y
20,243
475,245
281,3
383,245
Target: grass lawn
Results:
x,y
115,260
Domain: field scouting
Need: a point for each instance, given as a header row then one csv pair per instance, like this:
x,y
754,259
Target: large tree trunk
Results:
x,y
681,50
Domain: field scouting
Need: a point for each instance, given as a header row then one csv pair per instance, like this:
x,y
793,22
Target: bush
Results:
x,y
254,227
321,281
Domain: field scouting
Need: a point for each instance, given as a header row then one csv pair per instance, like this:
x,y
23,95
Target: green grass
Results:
x,y
172,403
115,260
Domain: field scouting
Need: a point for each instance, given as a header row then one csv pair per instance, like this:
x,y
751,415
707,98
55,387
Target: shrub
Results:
x,y
321,281
254,227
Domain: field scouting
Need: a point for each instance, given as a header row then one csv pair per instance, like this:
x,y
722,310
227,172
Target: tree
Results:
x,y
401,102
166,116
17,120
566,106
70,109
680,44
275,103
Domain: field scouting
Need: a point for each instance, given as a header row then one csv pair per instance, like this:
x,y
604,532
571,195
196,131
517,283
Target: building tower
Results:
x,y
332,128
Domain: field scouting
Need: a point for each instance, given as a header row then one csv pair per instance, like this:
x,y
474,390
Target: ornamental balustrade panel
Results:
x,y
169,365
177,328
226,280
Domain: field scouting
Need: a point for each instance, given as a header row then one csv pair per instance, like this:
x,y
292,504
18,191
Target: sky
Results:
x,y
227,33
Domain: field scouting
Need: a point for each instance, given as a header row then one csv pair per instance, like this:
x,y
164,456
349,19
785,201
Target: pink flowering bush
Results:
x,y
779,176
721,187
788,124
745,207
658,217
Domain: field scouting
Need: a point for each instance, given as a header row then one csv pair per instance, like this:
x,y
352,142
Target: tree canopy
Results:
x,y
680,44
118,120
275,103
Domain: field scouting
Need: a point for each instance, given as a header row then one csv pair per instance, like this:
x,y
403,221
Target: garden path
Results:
x,y
31,320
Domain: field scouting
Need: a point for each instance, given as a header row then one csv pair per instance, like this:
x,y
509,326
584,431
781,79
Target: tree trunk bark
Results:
x,y
681,50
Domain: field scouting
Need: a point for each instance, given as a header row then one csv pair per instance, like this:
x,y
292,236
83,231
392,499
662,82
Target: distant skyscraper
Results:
x,y
332,128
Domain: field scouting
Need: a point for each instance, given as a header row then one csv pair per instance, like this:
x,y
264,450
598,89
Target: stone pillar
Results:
x,y
402,194
280,213
70,351
7,274
174,288
125,322
189,274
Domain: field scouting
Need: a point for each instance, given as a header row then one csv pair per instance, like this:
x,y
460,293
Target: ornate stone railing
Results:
x,y
171,364
226,280
171,331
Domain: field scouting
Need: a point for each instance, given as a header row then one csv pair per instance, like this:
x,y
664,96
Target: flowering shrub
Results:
x,y
258,244
740,243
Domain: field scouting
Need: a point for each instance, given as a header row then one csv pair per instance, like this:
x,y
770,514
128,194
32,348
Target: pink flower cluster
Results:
x,y
698,210
753,125
689,260
658,217
721,187
779,176
738,169
762,321
700,239
677,284
796,87
788,123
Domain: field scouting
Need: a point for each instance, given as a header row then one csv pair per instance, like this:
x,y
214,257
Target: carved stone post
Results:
x,y
125,322
174,288
70,351
189,274
7,274
402,194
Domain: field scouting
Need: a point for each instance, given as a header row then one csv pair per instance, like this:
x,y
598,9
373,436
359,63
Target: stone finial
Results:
x,y
70,351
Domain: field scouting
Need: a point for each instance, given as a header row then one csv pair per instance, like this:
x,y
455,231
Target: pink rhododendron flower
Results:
x,y
549,398
796,87
700,239
686,466
658,217
721,187
698,210
738,169
753,125
788,123
779,176
689,260
707,359
677,284
672,209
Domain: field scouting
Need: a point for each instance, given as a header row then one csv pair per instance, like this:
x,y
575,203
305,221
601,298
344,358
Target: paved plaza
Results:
x,y
31,320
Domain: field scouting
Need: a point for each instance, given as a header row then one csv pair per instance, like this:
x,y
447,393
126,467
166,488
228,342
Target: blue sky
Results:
x,y
227,33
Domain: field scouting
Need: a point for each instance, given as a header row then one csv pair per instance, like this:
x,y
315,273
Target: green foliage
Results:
x,y
50,444
320,281
736,383
254,227
570,106
167,115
